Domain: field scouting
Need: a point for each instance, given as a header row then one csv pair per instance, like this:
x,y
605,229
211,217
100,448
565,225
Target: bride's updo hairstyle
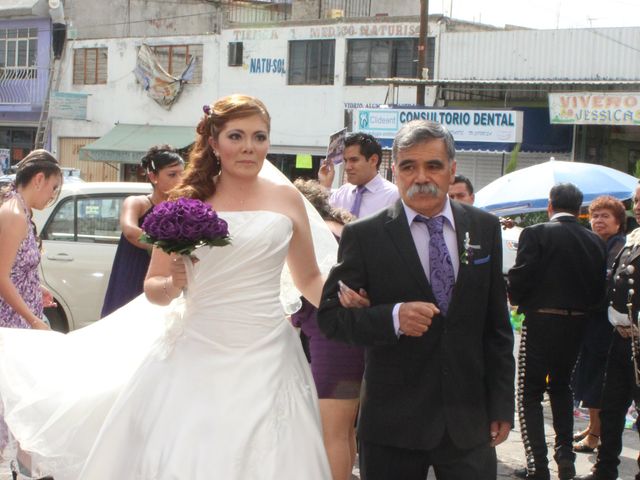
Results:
x,y
204,165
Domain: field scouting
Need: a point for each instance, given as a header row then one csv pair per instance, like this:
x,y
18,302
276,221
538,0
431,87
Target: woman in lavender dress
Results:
x,y
22,298
164,167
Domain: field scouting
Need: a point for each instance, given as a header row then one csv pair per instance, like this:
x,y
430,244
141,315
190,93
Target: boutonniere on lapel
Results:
x,y
468,248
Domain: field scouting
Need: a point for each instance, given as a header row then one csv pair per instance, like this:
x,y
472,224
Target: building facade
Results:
x,y
25,59
314,73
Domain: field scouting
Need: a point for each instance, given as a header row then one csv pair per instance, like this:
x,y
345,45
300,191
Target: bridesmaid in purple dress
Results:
x,y
164,167
22,298
337,368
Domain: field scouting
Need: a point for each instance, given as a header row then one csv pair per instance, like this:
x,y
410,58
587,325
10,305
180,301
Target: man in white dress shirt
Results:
x,y
366,191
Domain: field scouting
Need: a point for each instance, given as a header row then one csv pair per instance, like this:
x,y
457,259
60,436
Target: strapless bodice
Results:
x,y
233,291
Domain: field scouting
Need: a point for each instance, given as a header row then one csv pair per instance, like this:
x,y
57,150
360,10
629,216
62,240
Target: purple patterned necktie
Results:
x,y
442,277
355,208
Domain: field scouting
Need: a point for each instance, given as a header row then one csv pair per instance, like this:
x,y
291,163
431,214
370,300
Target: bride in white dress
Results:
x,y
224,390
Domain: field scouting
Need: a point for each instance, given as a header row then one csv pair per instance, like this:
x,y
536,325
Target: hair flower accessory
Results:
x,y
207,110
467,252
183,225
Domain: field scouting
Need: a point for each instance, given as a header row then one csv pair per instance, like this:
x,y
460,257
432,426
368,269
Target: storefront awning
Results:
x,y
127,143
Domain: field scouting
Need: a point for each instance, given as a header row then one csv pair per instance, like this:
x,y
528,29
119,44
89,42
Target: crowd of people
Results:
x,y
407,337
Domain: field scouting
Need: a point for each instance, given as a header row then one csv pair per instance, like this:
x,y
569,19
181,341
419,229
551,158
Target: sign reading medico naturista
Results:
x,y
498,126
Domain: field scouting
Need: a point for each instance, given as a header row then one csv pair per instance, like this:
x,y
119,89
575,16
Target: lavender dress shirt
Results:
x,y
379,194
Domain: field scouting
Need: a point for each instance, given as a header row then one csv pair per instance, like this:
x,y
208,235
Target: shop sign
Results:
x,y
497,126
68,105
595,108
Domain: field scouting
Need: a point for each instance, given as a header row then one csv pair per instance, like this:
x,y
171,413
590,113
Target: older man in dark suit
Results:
x,y
439,366
557,281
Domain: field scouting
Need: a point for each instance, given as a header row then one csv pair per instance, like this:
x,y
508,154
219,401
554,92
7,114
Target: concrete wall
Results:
x,y
305,9
140,18
303,116
123,100
395,8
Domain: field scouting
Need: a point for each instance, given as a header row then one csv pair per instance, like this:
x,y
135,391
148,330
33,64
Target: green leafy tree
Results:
x,y
513,161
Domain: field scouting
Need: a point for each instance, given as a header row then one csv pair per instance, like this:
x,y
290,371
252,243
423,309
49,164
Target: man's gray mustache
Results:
x,y
424,188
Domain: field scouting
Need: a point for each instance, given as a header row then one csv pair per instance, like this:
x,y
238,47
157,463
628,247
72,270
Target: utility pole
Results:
x,y
422,48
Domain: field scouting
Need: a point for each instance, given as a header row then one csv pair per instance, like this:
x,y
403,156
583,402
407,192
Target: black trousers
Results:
x,y
382,462
619,390
549,348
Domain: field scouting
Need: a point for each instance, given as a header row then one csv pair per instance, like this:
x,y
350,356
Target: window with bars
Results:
x,y
19,49
384,58
311,62
174,59
90,66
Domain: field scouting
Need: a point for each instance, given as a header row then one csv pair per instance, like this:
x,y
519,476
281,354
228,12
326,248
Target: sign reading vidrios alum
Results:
x,y
595,108
497,126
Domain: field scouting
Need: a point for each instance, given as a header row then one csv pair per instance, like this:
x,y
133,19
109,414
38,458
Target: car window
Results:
x,y
87,219
99,219
61,225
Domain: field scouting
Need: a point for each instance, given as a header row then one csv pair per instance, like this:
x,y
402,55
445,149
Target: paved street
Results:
x,y
511,456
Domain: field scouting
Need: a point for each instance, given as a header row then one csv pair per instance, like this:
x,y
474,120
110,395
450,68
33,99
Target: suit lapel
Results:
x,y
398,229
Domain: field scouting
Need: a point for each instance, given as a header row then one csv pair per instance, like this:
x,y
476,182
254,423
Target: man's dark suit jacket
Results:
x,y
560,264
459,375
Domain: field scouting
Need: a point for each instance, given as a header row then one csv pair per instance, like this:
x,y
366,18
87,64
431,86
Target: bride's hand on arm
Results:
x,y
349,298
166,277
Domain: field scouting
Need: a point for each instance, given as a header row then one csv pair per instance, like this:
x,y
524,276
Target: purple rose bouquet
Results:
x,y
183,225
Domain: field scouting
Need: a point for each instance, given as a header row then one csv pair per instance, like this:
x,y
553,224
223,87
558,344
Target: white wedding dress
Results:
x,y
215,386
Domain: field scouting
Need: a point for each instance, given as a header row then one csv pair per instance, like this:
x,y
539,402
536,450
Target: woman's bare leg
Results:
x,y
338,419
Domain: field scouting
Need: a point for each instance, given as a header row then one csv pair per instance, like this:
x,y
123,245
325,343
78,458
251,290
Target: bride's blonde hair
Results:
x,y
204,165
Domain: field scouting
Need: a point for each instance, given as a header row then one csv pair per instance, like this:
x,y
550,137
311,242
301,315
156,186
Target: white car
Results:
x,y
510,238
80,234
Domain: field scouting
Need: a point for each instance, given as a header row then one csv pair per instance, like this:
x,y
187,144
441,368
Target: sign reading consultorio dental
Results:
x,y
499,126
595,108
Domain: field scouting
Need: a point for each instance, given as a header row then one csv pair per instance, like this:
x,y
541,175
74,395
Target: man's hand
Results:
x,y
416,317
506,223
326,173
499,432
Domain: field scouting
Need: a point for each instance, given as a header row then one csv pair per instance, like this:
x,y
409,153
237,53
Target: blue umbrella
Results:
x,y
527,190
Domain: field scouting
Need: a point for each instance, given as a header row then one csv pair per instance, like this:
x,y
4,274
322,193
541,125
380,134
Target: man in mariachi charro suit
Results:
x,y
620,386
439,365
557,281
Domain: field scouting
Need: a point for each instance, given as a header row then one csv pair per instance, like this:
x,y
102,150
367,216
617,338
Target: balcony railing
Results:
x,y
23,86
256,12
